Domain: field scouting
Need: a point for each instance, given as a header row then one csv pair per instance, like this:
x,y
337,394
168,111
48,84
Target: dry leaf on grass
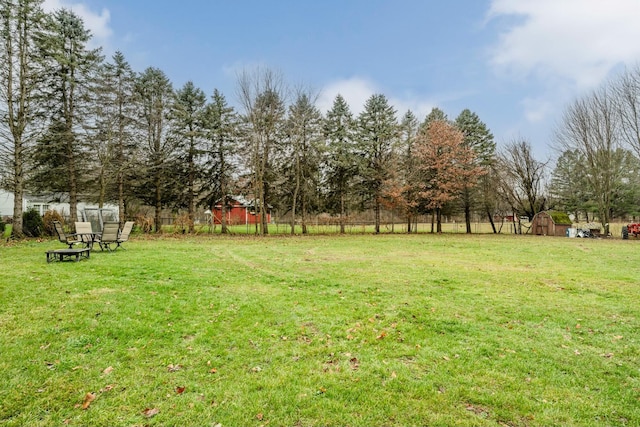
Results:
x,y
355,363
88,398
150,412
174,368
180,390
108,370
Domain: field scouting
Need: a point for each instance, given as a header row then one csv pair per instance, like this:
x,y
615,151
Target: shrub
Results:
x,y
32,224
48,218
182,224
145,223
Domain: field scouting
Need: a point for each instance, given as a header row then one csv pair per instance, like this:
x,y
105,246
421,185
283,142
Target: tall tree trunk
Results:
x,y
304,215
263,210
223,210
102,184
121,208
342,213
73,184
18,194
433,220
191,209
120,171
18,190
439,220
158,206
377,214
467,217
294,199
493,225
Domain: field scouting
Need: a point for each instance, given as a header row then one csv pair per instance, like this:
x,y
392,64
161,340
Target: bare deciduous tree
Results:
x,y
262,94
304,135
591,128
521,183
19,20
627,96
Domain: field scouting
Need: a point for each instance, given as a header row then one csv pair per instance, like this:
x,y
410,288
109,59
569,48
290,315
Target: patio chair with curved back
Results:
x,y
85,233
109,235
124,234
67,239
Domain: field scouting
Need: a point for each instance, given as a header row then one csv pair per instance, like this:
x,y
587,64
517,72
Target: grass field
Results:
x,y
326,330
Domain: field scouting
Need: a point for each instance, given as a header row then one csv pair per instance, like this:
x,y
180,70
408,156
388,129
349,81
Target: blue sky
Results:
x,y
516,63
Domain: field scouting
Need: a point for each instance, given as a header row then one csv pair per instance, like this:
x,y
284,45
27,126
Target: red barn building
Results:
x,y
240,211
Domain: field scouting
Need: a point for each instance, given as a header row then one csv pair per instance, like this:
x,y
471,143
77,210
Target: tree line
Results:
x,y
76,123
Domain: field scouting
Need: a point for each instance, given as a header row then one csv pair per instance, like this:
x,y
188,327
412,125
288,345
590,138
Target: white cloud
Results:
x,y
356,91
97,23
579,40
537,109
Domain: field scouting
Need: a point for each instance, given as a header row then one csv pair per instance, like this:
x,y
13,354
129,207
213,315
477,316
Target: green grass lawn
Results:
x,y
325,330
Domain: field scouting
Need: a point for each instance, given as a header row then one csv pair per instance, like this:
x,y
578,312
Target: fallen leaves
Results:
x,y
174,368
108,370
180,390
91,396
150,412
355,363
88,398
478,410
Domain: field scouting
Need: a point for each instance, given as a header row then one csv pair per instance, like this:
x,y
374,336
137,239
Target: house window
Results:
x,y
41,208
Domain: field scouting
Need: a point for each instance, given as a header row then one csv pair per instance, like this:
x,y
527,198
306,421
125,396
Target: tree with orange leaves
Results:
x,y
445,165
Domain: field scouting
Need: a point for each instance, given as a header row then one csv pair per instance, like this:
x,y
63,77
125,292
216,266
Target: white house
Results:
x,y
6,203
42,204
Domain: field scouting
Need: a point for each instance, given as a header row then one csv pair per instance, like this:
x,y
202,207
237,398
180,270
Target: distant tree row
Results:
x,y
74,123
598,170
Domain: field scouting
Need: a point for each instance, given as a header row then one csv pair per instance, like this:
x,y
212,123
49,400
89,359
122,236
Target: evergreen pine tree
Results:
x,y
114,131
71,66
340,164
188,131
221,138
154,182
376,132
480,140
